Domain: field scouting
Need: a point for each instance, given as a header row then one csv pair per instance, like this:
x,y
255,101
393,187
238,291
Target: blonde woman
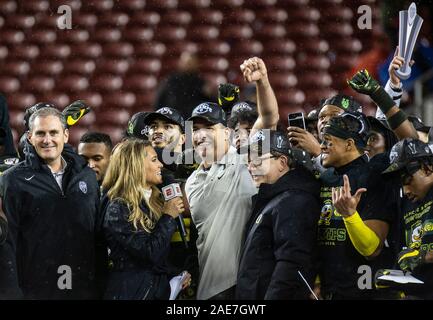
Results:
x,y
138,224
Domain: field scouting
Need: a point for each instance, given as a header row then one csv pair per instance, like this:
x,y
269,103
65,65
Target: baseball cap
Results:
x,y
348,125
278,142
210,112
418,124
347,103
378,124
407,151
243,106
33,109
136,127
169,114
312,116
264,141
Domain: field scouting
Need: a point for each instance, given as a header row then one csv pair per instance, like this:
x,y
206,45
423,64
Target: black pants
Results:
x,y
228,294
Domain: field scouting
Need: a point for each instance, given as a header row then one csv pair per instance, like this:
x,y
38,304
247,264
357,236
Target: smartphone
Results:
x,y
296,119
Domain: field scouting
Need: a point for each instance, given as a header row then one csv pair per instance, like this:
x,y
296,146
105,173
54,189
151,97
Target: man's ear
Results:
x,y
350,144
227,132
284,161
182,138
66,133
29,136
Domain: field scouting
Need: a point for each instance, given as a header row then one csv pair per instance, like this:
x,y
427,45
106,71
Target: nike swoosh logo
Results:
x,y
71,121
28,179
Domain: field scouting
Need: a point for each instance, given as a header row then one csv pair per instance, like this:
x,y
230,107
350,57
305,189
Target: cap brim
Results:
x,y
394,167
374,122
248,147
424,129
203,118
155,115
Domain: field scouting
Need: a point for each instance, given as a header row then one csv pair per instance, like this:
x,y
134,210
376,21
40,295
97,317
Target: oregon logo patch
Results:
x,y
83,186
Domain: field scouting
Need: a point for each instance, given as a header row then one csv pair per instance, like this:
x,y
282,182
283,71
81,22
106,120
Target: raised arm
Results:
x,y
364,83
254,70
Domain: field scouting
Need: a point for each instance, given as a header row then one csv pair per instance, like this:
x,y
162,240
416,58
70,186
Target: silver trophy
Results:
x,y
410,24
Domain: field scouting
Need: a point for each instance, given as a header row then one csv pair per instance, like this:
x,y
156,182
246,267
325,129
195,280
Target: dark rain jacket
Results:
x,y
52,232
280,239
139,259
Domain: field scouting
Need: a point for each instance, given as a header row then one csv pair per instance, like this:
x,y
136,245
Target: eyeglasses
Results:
x,y
258,161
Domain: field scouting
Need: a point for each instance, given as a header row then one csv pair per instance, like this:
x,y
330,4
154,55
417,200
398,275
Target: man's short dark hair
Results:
x,y
249,117
97,137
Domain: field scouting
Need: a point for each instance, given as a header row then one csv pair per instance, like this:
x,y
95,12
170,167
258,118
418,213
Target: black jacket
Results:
x,y
4,123
280,239
3,228
140,270
49,228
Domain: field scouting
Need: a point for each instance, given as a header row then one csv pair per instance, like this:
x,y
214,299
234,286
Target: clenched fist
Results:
x,y
254,69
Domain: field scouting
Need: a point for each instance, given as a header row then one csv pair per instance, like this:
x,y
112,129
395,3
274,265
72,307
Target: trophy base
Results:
x,y
403,75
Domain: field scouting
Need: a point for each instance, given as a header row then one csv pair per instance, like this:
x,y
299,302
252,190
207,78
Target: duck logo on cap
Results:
x,y
165,110
203,108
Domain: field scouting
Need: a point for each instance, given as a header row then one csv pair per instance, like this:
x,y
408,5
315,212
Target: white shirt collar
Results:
x,y
62,170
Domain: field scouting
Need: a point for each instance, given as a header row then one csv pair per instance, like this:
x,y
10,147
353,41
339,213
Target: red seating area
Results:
x,y
117,51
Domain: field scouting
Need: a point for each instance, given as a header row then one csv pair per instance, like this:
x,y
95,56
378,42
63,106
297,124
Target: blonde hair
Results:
x,y
125,181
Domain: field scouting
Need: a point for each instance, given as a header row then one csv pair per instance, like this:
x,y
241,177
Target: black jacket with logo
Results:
x,y
340,262
50,230
280,239
140,270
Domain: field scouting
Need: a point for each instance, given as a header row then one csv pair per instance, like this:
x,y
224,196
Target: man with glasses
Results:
x,y
281,234
356,209
412,162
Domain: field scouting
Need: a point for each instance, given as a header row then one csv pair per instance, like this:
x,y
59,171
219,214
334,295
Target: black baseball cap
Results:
x,y
378,124
264,141
209,111
348,125
418,124
136,127
312,116
243,106
407,151
347,103
168,114
33,109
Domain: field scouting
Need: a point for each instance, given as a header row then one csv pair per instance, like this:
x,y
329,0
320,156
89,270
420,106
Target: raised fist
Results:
x,y
254,69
